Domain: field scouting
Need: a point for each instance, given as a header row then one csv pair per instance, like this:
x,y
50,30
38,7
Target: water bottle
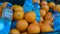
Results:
x,y
6,19
56,22
27,7
36,9
55,15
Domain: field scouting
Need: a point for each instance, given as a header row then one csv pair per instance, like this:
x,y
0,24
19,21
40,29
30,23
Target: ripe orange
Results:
x,y
33,28
18,15
42,12
36,1
14,31
51,4
44,3
13,7
58,8
49,17
4,4
46,8
0,9
24,32
49,13
41,19
54,8
21,25
18,8
46,28
30,17
48,22
35,22
40,23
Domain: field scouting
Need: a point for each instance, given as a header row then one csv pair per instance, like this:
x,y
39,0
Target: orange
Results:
x,y
39,24
42,12
30,17
24,32
13,7
4,4
46,8
46,28
33,28
36,1
41,19
43,3
35,22
48,22
0,9
58,8
14,31
18,8
54,8
18,15
51,4
21,25
49,17
49,13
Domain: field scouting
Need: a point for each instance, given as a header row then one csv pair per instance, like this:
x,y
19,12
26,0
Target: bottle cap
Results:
x,y
9,4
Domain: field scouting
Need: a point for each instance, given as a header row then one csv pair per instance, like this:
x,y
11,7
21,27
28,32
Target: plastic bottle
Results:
x,y
36,9
27,7
55,15
6,19
56,22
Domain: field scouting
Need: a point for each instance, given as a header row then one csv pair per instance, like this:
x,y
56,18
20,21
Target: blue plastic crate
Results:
x,y
21,2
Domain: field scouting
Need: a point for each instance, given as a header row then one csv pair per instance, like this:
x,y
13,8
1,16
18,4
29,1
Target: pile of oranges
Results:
x,y
26,22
